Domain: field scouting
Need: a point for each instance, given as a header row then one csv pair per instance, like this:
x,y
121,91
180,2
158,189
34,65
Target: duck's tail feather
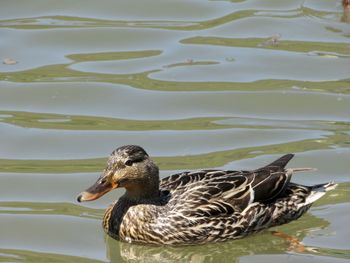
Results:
x,y
319,190
301,169
281,162
325,187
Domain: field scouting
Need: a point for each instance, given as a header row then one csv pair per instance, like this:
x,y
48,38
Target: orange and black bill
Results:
x,y
101,187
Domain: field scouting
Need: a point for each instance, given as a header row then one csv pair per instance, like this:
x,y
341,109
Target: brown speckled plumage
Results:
x,y
201,206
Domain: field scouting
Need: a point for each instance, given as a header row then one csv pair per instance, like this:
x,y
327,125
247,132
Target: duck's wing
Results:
x,y
216,192
205,193
272,179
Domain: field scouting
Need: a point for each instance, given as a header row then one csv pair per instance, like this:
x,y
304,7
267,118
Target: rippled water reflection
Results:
x,y
227,84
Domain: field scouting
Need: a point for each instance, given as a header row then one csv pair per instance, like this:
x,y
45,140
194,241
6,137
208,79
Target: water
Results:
x,y
226,84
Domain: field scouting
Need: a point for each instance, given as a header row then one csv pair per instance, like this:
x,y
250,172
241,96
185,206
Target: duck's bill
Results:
x,y
95,191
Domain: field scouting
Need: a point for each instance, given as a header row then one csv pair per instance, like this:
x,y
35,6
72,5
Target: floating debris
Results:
x,y
9,61
230,59
272,41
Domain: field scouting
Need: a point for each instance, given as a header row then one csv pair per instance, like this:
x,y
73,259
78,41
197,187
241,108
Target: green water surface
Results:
x,y
197,83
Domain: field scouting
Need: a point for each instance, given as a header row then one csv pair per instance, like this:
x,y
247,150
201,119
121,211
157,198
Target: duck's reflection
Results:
x,y
263,243
346,15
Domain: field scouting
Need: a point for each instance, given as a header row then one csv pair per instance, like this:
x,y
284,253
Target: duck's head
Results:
x,y
129,167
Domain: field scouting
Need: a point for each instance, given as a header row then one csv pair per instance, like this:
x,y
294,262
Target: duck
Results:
x,y
197,207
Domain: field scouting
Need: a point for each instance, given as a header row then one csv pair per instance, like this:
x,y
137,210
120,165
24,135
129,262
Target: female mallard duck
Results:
x,y
197,207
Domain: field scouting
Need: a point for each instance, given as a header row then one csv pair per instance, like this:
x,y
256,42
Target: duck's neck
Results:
x,y
147,188
142,192
133,196
146,191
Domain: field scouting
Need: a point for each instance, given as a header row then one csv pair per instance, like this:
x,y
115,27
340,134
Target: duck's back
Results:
x,y
233,190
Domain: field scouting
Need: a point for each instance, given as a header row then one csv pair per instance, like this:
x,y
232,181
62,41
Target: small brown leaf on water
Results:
x,y
9,61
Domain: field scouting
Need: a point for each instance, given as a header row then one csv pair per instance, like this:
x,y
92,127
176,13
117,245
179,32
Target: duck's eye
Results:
x,y
103,181
128,163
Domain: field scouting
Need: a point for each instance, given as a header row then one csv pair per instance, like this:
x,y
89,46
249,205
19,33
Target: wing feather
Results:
x,y
217,193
